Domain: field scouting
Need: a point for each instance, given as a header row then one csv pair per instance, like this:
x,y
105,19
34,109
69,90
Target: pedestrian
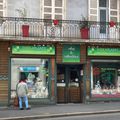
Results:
x,y
22,91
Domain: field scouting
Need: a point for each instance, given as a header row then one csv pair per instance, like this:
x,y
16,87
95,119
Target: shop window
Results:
x,y
37,75
105,80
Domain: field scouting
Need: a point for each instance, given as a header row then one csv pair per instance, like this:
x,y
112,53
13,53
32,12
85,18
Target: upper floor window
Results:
x,y
53,9
102,3
109,7
1,8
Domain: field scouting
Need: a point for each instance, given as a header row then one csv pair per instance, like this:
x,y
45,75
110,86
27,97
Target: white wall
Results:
x,y
32,7
74,8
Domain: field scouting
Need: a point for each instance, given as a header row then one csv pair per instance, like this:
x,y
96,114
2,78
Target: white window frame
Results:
x,y
4,4
53,9
106,9
117,10
90,8
108,12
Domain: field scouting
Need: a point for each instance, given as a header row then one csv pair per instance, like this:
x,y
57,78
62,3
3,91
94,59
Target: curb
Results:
x,y
60,115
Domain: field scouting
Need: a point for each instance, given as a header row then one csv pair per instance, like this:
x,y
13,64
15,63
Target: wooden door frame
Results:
x,y
67,76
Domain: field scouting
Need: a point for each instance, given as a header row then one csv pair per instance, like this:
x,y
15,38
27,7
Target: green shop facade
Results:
x,y
105,72
37,62
60,72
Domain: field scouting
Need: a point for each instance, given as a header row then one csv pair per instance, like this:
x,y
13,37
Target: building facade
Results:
x,y
63,63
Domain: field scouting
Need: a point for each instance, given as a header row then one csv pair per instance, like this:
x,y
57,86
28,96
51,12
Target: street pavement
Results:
x,y
58,110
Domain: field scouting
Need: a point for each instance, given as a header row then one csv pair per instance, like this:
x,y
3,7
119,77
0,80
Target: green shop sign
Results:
x,y
34,50
71,53
93,51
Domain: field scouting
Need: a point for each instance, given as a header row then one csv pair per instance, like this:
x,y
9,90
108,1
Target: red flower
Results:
x,y
112,23
56,22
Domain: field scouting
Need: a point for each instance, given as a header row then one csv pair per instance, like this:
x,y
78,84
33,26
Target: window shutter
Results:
x,y
2,8
114,10
93,10
47,9
53,9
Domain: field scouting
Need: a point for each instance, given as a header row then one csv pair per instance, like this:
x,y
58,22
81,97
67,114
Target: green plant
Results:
x,y
83,23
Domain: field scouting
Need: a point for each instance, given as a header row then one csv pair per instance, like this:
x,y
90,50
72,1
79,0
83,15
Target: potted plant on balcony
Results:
x,y
113,30
25,27
84,29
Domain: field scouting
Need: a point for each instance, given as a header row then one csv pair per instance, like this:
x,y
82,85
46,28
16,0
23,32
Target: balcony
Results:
x,y
54,30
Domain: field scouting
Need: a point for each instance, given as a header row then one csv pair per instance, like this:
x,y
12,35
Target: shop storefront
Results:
x,y
70,73
35,62
65,73
105,73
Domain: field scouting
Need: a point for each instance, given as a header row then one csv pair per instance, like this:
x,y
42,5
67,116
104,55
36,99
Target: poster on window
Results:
x,y
105,83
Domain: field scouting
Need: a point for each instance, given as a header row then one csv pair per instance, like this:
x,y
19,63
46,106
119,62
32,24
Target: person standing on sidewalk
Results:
x,y
22,91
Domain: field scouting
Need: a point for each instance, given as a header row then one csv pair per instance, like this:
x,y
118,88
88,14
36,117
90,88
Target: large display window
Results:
x,y
37,74
105,79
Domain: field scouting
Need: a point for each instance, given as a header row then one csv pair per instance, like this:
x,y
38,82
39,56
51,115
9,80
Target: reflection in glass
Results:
x,y
36,71
102,3
105,81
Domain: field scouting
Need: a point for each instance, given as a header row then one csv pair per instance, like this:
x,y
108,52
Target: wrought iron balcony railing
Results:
x,y
60,29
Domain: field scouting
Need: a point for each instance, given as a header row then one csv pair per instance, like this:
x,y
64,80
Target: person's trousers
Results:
x,y
21,101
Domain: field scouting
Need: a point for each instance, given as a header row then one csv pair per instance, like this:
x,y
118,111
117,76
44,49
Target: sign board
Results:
x,y
34,50
71,53
94,51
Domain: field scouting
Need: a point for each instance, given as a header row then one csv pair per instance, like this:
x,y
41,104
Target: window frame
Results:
x,y
53,7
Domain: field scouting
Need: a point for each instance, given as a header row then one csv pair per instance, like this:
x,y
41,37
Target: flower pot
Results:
x,y
56,22
25,30
84,33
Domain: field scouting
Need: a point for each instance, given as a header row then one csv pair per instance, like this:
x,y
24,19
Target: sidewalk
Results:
x,y
58,110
